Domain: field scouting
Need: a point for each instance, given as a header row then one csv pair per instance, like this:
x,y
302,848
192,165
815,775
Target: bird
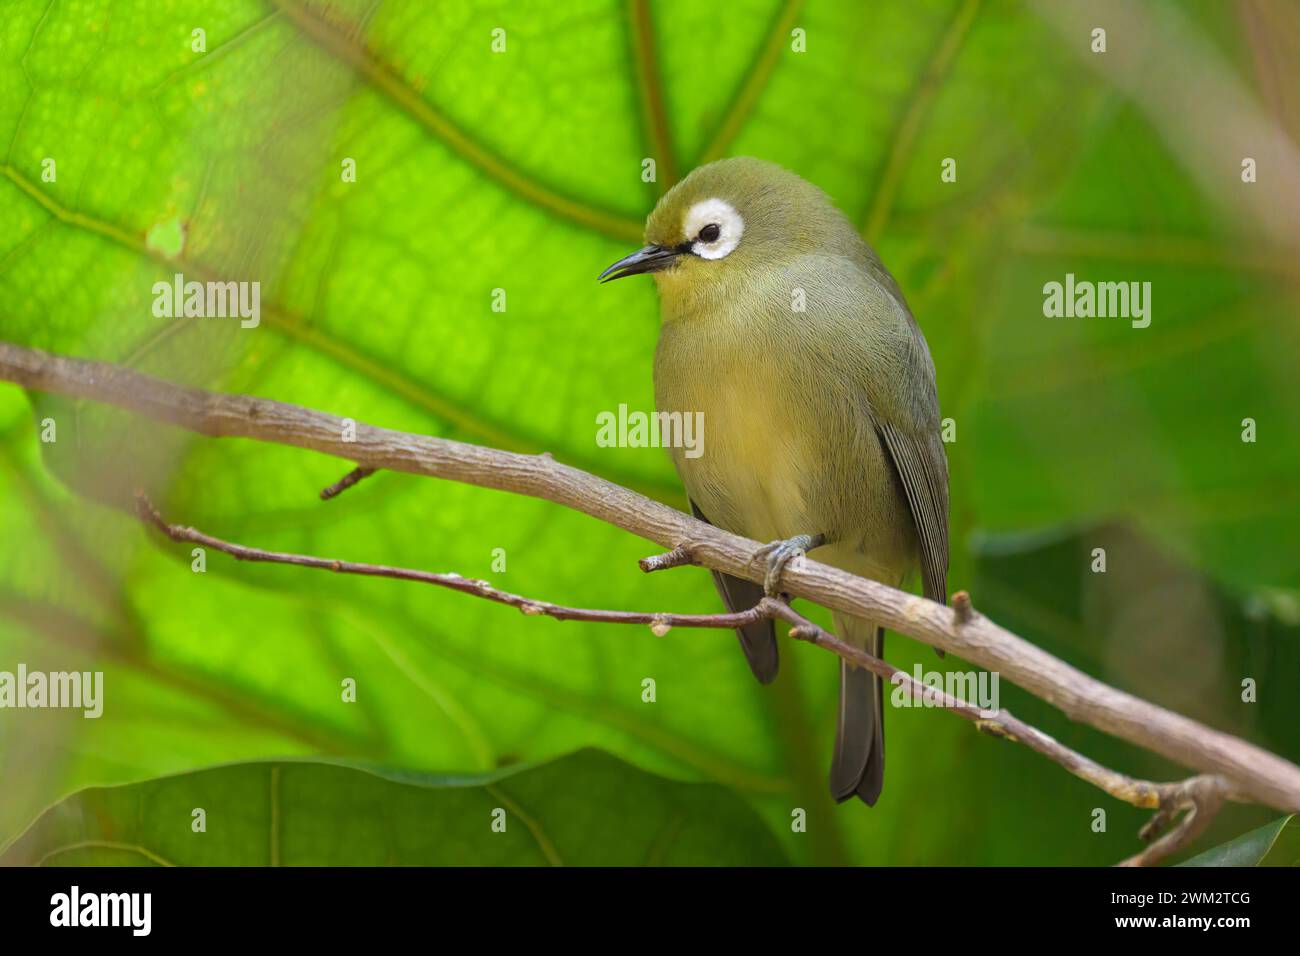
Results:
x,y
783,328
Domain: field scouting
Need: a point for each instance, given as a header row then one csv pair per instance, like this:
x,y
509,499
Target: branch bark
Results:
x,y
1247,772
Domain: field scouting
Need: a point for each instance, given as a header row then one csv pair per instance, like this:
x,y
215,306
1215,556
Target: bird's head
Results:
x,y
727,221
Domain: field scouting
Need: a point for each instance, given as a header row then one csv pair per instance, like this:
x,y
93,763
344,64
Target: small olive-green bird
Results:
x,y
821,418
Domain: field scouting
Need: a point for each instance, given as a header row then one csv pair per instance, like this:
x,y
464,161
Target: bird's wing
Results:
x,y
907,419
923,467
757,640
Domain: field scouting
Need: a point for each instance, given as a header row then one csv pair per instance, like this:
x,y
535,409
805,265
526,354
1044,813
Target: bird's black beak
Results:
x,y
649,259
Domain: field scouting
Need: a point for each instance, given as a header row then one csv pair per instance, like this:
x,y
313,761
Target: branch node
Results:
x,y
1198,798
962,609
346,482
801,629
676,558
806,632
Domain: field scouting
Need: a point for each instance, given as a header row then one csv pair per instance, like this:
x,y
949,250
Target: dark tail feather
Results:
x,y
757,640
858,766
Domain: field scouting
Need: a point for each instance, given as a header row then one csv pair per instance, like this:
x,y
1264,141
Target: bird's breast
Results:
x,y
787,448
753,475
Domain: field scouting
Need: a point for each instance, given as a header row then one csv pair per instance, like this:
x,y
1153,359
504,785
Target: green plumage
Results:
x,y
818,393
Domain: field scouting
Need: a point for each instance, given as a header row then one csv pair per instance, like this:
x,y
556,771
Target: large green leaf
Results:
x,y
587,809
521,170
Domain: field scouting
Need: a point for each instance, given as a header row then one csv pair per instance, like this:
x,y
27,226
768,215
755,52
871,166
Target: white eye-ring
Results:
x,y
713,228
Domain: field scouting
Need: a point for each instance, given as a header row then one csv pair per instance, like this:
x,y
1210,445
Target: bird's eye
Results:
x,y
716,226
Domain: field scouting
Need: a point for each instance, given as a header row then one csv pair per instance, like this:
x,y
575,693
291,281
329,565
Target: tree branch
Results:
x,y
1248,772
1201,797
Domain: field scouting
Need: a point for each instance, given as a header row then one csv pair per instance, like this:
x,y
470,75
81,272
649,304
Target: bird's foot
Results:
x,y
780,553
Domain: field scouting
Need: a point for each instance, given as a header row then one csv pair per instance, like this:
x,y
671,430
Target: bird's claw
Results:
x,y
780,553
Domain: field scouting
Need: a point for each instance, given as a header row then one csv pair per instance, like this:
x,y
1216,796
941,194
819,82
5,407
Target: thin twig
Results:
x,y
676,558
1250,771
660,623
346,482
1200,796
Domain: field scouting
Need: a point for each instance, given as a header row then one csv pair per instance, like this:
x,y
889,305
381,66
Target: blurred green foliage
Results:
x,y
521,170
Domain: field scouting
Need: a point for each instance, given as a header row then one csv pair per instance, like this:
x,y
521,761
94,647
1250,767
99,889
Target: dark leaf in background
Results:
x,y
586,809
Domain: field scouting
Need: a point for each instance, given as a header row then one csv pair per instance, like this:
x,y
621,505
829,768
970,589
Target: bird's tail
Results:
x,y
858,766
